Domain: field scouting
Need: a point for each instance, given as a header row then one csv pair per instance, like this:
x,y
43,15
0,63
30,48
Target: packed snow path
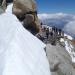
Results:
x,y
21,53
58,55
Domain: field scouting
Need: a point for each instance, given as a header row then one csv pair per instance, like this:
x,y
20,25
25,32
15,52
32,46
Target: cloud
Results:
x,y
54,16
64,21
70,28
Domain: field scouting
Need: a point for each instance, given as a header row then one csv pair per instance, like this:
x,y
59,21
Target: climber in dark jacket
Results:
x,y
47,33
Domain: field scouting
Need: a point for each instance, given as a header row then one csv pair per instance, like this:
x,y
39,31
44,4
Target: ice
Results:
x,y
21,53
68,36
62,40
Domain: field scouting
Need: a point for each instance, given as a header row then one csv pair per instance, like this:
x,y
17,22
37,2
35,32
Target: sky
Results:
x,y
56,6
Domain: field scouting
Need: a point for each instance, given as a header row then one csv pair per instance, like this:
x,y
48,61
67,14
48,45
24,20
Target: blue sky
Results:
x,y
56,6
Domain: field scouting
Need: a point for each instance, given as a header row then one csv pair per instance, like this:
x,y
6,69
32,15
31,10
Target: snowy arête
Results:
x,y
21,53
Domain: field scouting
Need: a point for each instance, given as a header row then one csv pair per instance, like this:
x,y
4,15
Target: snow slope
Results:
x,y
70,50
69,47
21,53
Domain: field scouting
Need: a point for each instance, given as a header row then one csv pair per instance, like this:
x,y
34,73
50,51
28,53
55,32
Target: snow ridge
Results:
x,y
21,53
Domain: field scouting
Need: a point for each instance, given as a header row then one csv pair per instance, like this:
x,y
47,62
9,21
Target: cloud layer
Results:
x,y
70,28
64,21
